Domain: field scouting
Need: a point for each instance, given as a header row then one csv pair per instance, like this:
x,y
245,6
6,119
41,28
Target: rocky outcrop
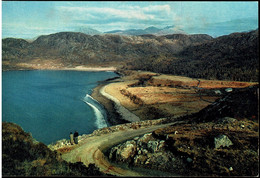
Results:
x,y
222,141
213,142
148,152
203,149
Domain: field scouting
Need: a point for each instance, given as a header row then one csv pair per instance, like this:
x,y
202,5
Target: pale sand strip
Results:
x,y
82,68
125,113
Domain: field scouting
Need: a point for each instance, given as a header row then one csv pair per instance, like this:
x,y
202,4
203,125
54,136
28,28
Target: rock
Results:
x,y
146,137
129,150
145,151
158,160
147,161
136,138
139,152
222,140
143,141
226,120
140,159
152,146
162,145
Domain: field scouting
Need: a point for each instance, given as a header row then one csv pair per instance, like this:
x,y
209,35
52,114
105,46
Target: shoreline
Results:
x,y
82,68
113,117
77,68
121,110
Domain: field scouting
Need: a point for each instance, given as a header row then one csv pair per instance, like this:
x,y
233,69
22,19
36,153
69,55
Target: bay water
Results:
x,y
51,104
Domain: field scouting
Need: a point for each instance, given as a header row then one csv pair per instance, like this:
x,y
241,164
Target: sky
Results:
x,y
29,19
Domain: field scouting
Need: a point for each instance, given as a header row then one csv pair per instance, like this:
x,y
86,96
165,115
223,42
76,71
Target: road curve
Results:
x,y
91,149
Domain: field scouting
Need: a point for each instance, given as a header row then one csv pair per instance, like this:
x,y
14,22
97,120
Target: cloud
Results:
x,y
157,9
126,14
94,12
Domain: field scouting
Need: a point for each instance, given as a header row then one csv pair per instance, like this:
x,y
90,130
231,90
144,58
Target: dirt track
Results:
x,y
91,150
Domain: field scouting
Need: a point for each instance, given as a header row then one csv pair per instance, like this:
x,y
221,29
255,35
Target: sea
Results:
x,y
51,104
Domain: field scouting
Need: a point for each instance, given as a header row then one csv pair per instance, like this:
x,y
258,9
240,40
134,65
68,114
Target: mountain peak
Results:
x,y
87,30
151,28
168,27
171,29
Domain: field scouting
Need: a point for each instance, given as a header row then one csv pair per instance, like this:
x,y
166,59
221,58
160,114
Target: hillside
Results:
x,y
230,57
71,48
220,140
24,156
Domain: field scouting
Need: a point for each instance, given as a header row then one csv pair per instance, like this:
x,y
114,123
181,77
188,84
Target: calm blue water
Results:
x,y
51,104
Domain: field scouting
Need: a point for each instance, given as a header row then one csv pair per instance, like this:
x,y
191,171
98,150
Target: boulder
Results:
x,y
226,120
143,141
156,146
127,150
140,159
161,146
152,146
222,141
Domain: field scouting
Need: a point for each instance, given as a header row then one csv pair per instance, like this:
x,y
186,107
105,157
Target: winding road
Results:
x,y
91,149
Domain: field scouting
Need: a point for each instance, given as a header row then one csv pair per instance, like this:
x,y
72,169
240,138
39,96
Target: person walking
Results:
x,y
71,138
76,134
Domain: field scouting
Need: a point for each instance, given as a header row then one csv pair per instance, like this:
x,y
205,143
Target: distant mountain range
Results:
x,y
225,28
212,29
87,30
150,30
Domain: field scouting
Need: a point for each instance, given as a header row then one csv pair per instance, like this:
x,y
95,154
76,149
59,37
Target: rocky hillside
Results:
x,y
77,48
24,156
230,57
220,140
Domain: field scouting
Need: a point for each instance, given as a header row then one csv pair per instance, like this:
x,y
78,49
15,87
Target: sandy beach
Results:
x,y
124,113
57,65
83,68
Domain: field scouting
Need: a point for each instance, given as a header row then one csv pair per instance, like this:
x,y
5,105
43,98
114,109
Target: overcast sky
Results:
x,y
28,19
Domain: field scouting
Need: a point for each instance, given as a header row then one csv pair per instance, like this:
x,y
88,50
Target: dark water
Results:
x,y
51,104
